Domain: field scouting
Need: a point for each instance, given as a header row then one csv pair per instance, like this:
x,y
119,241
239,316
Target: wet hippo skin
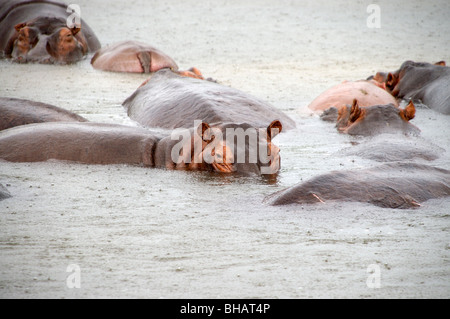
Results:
x,y
366,92
133,57
376,119
98,143
172,101
4,193
393,185
429,83
15,112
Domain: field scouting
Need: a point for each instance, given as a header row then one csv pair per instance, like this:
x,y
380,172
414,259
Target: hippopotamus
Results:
x,y
15,112
171,101
137,57
133,57
392,185
198,148
38,31
375,119
385,149
427,82
4,193
367,92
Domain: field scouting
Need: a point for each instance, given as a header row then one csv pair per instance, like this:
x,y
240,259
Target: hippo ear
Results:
x,y
196,71
75,30
355,111
408,112
274,129
441,63
204,130
20,26
390,81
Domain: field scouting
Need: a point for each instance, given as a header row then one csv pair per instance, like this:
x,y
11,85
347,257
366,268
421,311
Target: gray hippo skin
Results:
x,y
427,82
387,149
97,143
4,193
393,185
375,119
37,31
171,101
15,112
90,143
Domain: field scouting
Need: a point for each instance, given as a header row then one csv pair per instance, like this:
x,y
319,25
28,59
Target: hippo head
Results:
x,y
224,148
376,119
47,40
391,80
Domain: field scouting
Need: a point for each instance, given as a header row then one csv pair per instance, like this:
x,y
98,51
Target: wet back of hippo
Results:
x,y
89,143
4,193
171,101
15,112
394,185
55,14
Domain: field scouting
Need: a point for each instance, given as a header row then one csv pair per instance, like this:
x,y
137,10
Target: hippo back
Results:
x,y
89,143
171,101
394,185
17,112
344,93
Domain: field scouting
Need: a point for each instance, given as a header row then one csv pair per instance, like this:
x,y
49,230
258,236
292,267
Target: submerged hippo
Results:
x,y
384,148
202,148
133,57
427,82
172,101
37,31
366,92
394,185
375,119
4,193
15,112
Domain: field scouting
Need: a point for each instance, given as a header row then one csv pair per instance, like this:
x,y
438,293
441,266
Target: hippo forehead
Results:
x,y
47,25
241,130
410,63
380,119
382,113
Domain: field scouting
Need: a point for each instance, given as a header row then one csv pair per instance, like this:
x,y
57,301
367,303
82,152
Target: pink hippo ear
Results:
x,y
20,26
355,111
441,63
408,112
390,81
274,129
204,130
75,30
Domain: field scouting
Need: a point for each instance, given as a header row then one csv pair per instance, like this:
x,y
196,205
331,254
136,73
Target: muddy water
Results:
x,y
151,233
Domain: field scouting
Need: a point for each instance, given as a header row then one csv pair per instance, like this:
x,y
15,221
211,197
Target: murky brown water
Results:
x,y
151,233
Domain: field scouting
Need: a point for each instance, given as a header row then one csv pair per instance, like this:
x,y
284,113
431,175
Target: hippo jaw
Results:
x,y
219,157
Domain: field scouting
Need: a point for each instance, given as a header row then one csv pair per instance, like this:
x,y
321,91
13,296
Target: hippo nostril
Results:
x,y
224,168
20,59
